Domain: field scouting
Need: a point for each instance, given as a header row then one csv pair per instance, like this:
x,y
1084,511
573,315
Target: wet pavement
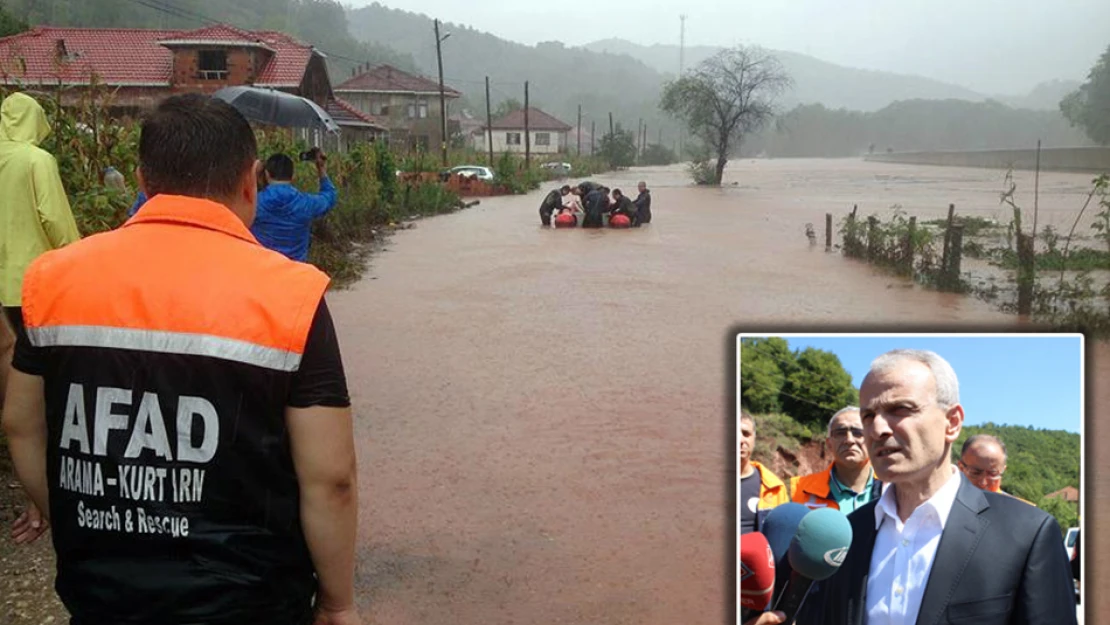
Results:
x,y
543,414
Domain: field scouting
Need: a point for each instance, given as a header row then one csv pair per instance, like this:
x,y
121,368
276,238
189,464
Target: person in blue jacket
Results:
x,y
283,221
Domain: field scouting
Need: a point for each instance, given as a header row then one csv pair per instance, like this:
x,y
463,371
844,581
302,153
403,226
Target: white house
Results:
x,y
548,134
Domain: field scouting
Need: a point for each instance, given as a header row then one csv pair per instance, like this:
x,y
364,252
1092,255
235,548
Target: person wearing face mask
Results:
x,y
848,482
983,461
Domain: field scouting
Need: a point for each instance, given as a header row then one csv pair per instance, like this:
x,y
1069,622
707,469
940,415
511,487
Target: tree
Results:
x,y
506,107
761,373
657,154
725,98
10,24
618,148
1089,106
818,387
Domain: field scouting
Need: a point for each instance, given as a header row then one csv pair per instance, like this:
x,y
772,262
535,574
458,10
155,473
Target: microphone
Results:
x,y
816,552
757,572
779,528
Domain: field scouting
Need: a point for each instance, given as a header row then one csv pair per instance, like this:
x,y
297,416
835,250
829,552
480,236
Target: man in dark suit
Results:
x,y
934,549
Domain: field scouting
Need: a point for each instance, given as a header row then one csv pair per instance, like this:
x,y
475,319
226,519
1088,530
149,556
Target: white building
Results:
x,y
548,134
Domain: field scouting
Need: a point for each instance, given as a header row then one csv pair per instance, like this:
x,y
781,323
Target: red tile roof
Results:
x,y
136,57
387,78
537,120
345,114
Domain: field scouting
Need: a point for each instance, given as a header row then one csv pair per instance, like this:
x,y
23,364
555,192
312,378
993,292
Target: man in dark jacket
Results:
x,y
595,203
622,206
551,203
643,206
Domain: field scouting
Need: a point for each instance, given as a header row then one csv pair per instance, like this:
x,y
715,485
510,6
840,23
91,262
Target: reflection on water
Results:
x,y
542,413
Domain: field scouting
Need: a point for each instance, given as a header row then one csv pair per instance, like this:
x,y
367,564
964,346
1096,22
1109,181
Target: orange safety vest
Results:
x,y
772,491
814,490
168,347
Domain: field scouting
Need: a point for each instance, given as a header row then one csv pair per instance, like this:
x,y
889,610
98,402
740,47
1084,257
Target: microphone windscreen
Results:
x,y
820,544
757,571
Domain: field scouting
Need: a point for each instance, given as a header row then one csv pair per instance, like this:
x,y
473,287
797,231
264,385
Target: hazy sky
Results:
x,y
992,46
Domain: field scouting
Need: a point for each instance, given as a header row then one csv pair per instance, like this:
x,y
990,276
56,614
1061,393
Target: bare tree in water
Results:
x,y
725,98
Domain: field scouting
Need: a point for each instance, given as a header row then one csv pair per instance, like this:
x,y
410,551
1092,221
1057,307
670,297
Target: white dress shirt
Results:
x,y
904,553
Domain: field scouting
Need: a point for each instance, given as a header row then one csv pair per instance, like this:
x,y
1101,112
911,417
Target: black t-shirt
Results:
x,y
749,501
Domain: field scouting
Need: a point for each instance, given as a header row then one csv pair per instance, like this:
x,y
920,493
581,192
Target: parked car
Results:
x,y
1069,541
479,171
558,168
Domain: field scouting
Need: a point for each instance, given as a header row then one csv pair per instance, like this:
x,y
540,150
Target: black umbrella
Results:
x,y
277,108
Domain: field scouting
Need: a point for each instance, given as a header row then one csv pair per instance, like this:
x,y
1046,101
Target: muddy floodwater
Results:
x,y
543,414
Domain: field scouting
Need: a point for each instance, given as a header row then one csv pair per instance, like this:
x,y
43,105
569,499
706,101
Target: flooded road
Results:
x,y
543,414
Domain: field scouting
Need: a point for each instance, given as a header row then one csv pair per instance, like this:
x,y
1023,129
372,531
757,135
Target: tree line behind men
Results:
x,y
593,200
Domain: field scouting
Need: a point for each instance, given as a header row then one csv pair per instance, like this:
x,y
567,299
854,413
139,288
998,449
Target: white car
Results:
x,y
561,168
1069,541
479,171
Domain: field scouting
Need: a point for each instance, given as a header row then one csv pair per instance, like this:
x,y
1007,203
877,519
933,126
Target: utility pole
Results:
x,y
610,125
442,97
639,136
593,133
643,144
681,45
489,124
527,131
579,130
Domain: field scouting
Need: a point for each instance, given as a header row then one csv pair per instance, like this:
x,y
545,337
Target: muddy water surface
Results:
x,y
542,413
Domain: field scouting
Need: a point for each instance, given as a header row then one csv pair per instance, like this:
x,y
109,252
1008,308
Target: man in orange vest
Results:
x,y
178,404
983,461
760,489
848,482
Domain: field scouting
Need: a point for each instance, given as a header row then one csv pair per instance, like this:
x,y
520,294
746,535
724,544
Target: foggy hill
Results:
x,y
815,81
560,77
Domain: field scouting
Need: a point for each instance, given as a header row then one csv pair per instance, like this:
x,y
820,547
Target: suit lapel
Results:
x,y
863,543
957,545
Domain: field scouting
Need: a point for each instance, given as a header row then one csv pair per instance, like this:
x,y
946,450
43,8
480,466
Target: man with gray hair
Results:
x,y
934,548
848,482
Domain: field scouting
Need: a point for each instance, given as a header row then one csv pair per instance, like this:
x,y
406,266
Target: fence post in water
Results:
x,y
955,253
872,243
907,252
1026,274
944,257
850,247
828,232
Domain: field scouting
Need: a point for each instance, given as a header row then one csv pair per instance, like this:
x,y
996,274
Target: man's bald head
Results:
x,y
983,461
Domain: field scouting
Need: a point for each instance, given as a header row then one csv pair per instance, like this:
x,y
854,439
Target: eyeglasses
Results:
x,y
841,433
976,472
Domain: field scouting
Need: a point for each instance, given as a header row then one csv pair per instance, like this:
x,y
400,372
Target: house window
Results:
x,y
212,64
512,138
423,109
543,138
412,110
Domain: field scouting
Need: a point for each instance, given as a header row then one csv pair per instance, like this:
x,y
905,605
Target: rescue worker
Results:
x,y
595,204
285,214
983,461
622,205
34,213
760,489
552,202
848,482
643,206
185,419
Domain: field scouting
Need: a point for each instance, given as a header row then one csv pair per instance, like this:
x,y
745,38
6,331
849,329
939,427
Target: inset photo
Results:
x,y
909,474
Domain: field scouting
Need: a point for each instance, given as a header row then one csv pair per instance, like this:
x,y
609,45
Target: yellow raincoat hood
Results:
x,y
22,119
34,215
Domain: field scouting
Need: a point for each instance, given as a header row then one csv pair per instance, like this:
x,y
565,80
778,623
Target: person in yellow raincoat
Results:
x,y
34,215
